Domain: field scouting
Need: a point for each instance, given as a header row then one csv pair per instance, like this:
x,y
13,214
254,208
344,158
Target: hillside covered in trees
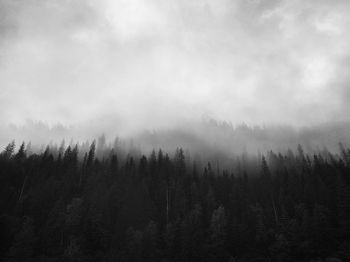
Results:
x,y
82,203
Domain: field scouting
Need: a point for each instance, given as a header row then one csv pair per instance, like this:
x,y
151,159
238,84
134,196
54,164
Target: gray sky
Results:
x,y
153,63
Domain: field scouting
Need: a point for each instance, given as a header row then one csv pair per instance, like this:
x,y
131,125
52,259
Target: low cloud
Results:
x,y
148,64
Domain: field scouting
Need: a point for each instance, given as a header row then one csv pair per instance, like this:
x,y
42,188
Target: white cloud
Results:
x,y
153,63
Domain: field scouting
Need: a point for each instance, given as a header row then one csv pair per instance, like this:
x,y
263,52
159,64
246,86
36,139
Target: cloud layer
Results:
x,y
154,63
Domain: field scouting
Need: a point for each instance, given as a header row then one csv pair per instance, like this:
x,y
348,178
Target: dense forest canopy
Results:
x,y
97,203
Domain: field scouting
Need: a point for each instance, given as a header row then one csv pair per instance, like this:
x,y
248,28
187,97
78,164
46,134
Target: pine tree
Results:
x,y
8,151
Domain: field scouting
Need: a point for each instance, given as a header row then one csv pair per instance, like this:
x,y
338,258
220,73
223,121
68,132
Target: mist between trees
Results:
x,y
207,138
95,202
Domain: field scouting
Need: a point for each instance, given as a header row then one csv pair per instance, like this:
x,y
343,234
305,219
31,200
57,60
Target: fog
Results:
x,y
207,140
122,67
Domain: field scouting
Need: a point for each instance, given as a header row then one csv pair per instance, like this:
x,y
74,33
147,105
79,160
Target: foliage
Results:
x,y
67,205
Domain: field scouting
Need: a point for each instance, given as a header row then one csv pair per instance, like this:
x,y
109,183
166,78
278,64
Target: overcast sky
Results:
x,y
153,63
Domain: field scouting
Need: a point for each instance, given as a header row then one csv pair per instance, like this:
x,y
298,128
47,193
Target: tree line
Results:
x,y
69,205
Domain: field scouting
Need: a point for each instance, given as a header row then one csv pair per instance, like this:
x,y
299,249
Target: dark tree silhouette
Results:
x,y
74,204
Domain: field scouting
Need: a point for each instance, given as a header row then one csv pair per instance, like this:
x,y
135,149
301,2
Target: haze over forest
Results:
x,y
174,131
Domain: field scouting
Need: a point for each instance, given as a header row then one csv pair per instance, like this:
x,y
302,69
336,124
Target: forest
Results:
x,y
85,203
